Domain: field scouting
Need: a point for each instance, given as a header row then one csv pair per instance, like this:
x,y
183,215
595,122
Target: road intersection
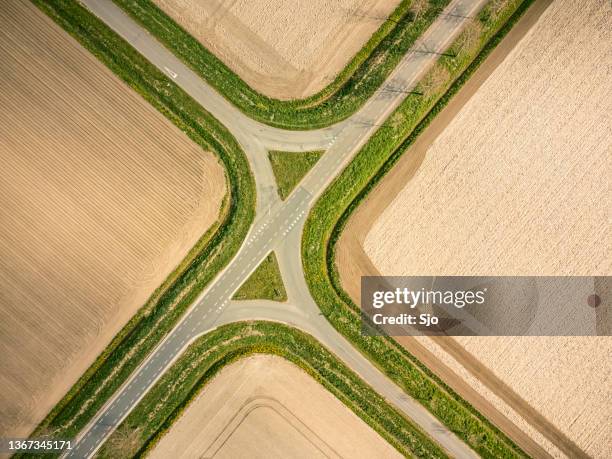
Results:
x,y
279,224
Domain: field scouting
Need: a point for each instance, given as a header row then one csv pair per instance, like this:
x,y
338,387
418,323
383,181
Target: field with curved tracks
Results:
x,y
100,199
264,406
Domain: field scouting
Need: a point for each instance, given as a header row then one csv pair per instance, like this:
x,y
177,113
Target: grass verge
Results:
x,y
266,283
366,71
290,167
165,402
213,251
330,213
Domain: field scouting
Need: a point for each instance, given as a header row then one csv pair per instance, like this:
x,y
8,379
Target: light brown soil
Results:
x,y
100,199
282,48
516,183
265,407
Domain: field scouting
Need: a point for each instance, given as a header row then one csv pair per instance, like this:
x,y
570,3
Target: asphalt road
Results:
x,y
278,225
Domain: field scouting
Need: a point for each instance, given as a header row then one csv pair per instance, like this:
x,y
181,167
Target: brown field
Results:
x,y
513,180
100,199
266,407
281,48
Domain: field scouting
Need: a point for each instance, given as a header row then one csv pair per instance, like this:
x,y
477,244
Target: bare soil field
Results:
x,y
100,199
514,182
266,407
281,48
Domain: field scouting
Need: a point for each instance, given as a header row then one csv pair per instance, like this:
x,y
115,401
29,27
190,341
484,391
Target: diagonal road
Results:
x,y
279,224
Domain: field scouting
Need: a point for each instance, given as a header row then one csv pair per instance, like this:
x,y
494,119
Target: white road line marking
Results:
x,y
171,73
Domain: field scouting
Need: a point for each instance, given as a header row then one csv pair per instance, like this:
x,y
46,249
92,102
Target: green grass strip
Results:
x,y
366,71
330,213
290,167
210,255
171,395
266,283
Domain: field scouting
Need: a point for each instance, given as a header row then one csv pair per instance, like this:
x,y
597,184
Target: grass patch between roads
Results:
x,y
366,71
326,221
266,283
290,167
211,254
181,384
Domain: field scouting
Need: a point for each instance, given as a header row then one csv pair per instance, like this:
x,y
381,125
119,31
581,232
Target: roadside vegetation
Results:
x,y
366,71
266,283
211,254
290,167
181,384
328,217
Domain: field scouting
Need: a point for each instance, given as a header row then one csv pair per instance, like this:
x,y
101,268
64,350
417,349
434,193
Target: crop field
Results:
x,y
264,406
271,44
517,184
101,198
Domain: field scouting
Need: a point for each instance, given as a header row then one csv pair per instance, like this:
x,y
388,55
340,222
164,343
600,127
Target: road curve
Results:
x,y
278,225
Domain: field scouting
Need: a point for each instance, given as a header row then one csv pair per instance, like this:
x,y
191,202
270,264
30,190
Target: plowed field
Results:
x,y
517,183
100,199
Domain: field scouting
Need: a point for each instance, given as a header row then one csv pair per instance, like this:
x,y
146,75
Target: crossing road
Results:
x,y
279,224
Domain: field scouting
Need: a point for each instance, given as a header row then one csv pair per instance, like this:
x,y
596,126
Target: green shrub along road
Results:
x,y
266,283
329,215
165,402
290,168
214,250
366,71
